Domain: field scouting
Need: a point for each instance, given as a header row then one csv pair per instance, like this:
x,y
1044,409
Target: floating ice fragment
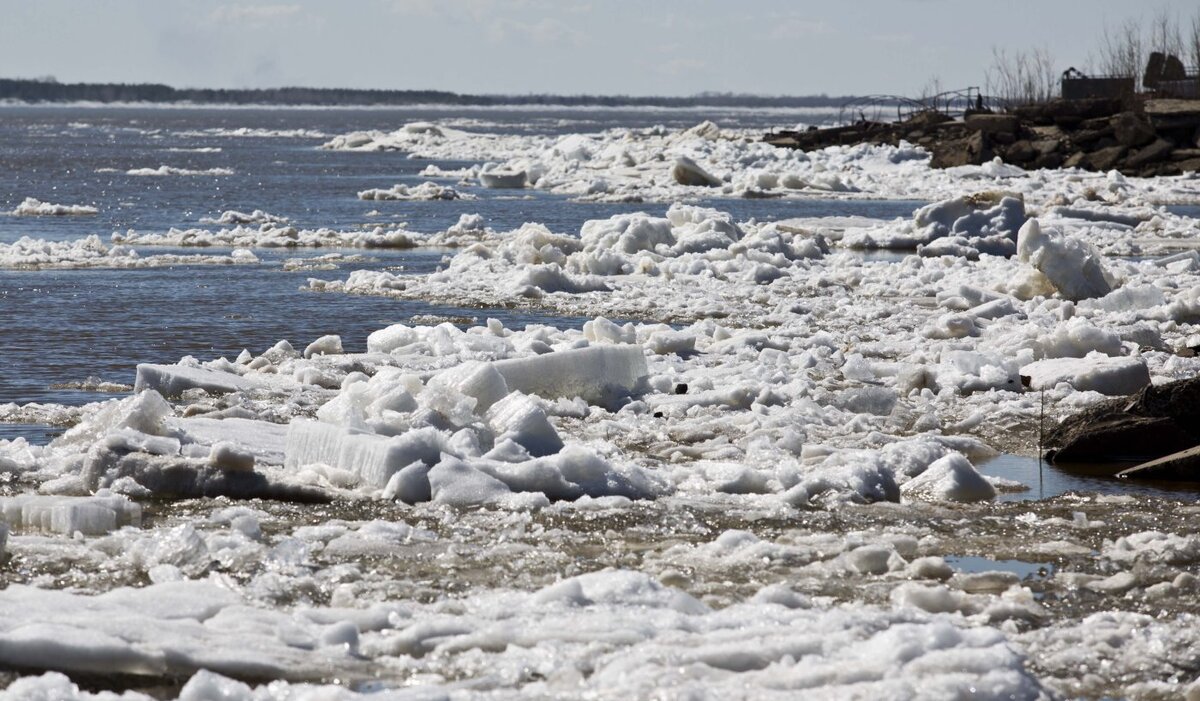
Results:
x,y
1095,372
1073,266
952,478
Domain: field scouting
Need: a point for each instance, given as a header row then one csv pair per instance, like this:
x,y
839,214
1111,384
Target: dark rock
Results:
x,y
1020,152
1131,130
925,119
973,150
1003,138
1068,112
1105,158
993,123
1045,146
1075,160
1192,165
1185,154
1157,421
1157,151
1048,160
1084,137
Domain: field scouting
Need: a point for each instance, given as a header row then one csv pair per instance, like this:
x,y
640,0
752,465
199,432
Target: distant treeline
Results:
x,y
53,91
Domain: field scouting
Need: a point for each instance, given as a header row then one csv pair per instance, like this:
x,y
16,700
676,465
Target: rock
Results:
x,y
1131,130
1048,160
1105,158
1157,151
1075,160
1185,154
993,123
925,119
972,150
1046,146
1181,466
1085,137
1020,152
1158,421
1192,165
688,172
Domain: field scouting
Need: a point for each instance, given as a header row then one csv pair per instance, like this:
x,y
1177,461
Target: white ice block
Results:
x,y
265,440
479,380
519,418
1100,373
372,457
172,380
93,515
595,373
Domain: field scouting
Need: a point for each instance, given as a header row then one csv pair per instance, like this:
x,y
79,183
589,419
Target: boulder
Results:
x,y
1192,165
1105,158
1131,130
972,150
993,123
1157,421
1157,151
1021,152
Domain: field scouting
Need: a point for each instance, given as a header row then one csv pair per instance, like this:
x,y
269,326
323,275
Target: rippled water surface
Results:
x,y
65,326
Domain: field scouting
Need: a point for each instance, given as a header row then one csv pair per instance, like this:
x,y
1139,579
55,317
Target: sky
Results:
x,y
632,47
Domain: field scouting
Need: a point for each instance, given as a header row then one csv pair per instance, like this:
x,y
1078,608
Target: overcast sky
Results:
x,y
640,47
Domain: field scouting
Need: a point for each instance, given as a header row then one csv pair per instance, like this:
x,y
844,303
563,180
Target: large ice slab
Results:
x,y
372,457
265,440
172,380
1096,372
93,515
596,373
172,628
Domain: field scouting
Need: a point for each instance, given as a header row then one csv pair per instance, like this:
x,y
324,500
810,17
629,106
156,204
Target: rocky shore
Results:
x,y
1157,137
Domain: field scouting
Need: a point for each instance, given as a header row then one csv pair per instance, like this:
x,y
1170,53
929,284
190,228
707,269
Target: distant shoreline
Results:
x,y
44,92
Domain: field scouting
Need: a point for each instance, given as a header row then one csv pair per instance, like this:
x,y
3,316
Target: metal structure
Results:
x,y
952,103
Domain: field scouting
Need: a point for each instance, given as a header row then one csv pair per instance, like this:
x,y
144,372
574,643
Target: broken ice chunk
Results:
x,y
172,380
596,373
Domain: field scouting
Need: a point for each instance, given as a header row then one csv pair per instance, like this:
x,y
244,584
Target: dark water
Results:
x,y
65,326
1047,480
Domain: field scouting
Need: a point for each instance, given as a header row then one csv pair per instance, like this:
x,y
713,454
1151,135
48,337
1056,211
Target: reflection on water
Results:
x,y
1022,568
1046,480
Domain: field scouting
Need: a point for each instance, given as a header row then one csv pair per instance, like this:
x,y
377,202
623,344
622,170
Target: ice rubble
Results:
x,y
658,164
270,234
165,170
38,254
424,191
233,216
33,207
773,645
799,376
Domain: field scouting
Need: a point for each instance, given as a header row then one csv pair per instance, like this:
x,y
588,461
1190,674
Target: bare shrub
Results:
x,y
1022,77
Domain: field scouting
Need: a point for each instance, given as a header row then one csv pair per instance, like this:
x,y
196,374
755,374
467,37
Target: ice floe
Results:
x,y
38,254
33,207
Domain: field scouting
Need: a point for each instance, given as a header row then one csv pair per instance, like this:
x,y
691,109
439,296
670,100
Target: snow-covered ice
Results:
x,y
33,207
756,466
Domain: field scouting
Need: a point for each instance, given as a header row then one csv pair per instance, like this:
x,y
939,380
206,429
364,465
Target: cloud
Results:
x,y
252,14
798,28
546,31
680,66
